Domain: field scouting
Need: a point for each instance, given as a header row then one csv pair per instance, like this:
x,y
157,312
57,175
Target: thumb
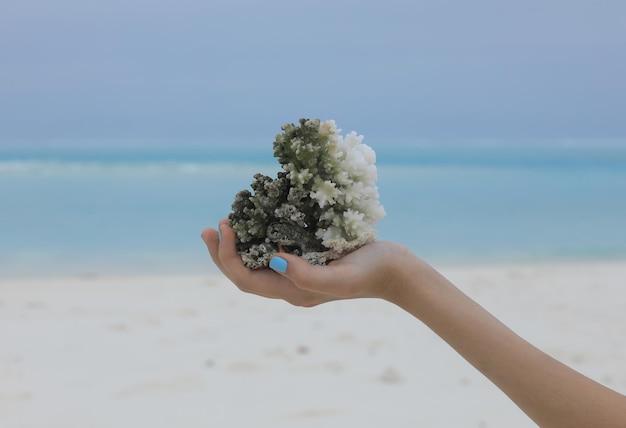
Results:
x,y
326,279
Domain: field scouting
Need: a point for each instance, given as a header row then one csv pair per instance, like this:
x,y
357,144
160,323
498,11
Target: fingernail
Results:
x,y
278,264
219,232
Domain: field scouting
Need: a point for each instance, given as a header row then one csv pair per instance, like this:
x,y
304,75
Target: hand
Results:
x,y
367,272
551,393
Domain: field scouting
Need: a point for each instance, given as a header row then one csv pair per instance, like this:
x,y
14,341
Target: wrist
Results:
x,y
411,282
401,270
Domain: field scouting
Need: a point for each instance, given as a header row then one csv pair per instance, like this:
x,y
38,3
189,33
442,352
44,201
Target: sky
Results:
x,y
236,70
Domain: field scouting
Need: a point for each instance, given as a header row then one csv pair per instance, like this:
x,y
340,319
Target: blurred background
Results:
x,y
128,127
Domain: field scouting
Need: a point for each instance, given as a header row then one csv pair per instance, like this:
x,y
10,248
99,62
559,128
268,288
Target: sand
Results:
x,y
196,352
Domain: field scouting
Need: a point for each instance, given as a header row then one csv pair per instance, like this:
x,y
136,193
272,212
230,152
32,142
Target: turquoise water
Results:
x,y
99,210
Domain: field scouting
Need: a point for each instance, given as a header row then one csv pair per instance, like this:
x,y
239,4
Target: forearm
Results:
x,y
551,393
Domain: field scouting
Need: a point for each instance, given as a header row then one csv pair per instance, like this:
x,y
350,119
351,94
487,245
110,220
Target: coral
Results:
x,y
323,205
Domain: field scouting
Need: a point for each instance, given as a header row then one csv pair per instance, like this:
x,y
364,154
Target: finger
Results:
x,y
226,252
335,280
263,282
211,239
228,255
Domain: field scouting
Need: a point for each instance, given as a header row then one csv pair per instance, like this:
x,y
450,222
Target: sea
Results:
x,y
113,209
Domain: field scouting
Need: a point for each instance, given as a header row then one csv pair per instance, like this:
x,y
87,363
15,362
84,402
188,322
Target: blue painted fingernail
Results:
x,y
278,264
219,232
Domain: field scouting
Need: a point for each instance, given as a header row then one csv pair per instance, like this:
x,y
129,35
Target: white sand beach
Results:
x,y
196,352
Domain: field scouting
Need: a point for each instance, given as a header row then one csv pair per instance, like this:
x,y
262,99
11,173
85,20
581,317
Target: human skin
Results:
x,y
549,392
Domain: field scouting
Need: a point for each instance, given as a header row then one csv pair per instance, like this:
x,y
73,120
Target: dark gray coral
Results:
x,y
279,213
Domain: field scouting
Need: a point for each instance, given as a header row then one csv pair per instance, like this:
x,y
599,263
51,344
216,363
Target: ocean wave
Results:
x,y
56,168
231,161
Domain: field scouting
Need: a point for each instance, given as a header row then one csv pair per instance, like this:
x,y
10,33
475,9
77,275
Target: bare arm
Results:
x,y
549,392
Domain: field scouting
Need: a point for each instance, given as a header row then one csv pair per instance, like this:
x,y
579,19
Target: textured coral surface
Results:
x,y
323,204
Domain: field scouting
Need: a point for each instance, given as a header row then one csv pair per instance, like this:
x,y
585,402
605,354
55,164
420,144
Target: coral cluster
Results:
x,y
323,204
